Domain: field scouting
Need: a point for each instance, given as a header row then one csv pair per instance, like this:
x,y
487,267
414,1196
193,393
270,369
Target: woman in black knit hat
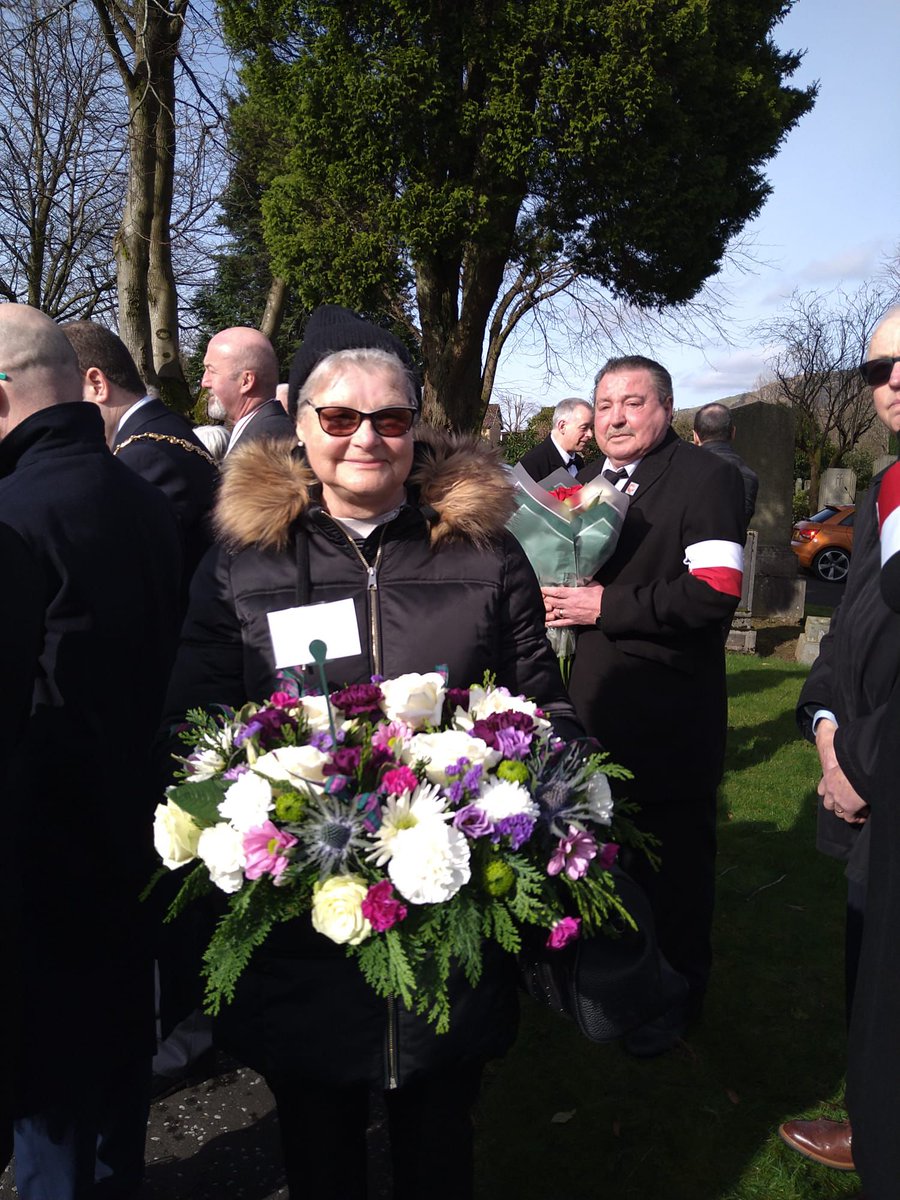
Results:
x,y
412,530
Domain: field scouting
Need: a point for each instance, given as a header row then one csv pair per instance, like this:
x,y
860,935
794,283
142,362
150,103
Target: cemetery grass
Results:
x,y
562,1119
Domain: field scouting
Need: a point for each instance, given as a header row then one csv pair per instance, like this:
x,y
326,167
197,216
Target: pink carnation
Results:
x,y
563,932
282,700
381,908
263,848
608,855
573,854
399,780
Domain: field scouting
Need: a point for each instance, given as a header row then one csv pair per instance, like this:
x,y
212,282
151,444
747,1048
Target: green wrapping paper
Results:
x,y
565,545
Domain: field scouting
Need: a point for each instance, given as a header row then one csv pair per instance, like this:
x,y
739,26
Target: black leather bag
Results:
x,y
606,984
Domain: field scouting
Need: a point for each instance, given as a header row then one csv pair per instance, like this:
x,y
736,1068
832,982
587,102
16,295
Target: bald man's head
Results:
x,y
240,371
39,365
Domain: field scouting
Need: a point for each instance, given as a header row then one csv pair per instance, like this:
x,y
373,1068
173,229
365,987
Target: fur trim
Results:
x,y
265,487
466,484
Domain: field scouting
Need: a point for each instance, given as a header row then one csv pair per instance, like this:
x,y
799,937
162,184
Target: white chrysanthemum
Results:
x,y
247,802
416,699
203,765
441,750
175,835
599,799
501,798
294,764
430,863
405,812
221,848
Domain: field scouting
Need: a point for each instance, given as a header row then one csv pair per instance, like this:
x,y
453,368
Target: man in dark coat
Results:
x,y
648,679
241,372
714,431
147,435
570,432
77,808
842,708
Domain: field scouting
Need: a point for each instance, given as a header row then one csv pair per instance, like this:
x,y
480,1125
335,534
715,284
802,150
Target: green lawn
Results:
x,y
562,1119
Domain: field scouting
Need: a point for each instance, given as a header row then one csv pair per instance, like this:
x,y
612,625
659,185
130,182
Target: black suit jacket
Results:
x,y
649,679
268,421
544,458
162,448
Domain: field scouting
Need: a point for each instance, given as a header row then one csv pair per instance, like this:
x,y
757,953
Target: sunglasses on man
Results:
x,y
342,422
877,370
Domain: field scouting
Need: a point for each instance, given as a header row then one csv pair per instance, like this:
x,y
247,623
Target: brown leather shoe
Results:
x,y
825,1142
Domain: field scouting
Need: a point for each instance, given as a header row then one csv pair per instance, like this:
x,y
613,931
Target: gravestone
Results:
x,y
764,438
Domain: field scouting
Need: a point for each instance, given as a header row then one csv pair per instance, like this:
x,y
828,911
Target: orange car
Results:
x,y
824,543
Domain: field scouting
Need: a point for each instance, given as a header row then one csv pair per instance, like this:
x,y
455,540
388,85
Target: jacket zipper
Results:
x,y
393,1069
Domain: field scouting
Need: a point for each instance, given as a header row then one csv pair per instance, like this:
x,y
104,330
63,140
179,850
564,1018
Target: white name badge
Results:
x,y
292,630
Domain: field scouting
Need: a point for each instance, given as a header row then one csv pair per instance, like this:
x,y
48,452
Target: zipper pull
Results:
x,y
373,579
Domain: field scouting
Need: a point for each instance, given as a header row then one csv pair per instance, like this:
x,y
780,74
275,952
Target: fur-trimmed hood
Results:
x,y
458,482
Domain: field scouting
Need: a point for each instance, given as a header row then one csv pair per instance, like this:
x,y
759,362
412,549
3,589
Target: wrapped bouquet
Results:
x,y
413,822
568,533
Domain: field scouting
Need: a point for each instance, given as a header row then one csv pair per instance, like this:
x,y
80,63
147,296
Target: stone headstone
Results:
x,y
837,486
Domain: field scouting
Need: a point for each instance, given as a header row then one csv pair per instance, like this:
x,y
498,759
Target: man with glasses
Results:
x,y
841,708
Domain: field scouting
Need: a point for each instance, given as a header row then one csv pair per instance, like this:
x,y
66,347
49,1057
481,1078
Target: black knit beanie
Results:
x,y
331,328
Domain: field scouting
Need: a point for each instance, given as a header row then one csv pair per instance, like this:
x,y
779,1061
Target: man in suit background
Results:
x,y
714,431
648,678
147,436
77,801
570,433
241,372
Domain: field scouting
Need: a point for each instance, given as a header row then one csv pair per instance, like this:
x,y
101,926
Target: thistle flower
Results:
x,y
331,835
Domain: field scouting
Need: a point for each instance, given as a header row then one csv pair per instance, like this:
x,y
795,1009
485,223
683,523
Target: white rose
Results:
x,y
483,702
293,764
337,909
175,835
430,862
316,710
502,798
599,798
247,802
416,699
441,750
222,849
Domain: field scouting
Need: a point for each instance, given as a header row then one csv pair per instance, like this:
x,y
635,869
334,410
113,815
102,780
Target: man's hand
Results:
x,y
572,605
838,794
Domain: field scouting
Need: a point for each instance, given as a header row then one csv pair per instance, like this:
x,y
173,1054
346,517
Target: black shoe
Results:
x,y
659,1036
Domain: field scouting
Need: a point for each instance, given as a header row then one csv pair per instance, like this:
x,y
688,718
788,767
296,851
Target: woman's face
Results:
x,y
363,474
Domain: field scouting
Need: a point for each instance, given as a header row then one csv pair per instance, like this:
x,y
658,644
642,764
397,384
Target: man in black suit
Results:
x,y
648,678
714,431
147,436
570,433
77,806
241,372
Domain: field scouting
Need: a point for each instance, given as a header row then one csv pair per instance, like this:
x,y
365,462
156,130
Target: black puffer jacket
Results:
x,y
440,584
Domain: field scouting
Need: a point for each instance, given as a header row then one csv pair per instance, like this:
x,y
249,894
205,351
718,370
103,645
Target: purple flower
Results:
x,y
488,728
381,908
457,698
564,931
358,699
573,854
344,761
518,828
264,847
472,821
513,743
235,772
268,723
321,741
609,852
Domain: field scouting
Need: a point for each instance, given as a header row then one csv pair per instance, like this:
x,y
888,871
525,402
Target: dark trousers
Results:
x,y
323,1135
682,891
91,1148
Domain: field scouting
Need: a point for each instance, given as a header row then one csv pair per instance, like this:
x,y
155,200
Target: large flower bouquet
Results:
x,y
413,822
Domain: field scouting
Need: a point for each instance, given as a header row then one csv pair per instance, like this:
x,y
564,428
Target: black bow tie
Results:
x,y
615,477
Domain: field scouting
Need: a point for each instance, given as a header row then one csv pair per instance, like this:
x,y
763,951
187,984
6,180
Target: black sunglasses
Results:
x,y
877,370
342,422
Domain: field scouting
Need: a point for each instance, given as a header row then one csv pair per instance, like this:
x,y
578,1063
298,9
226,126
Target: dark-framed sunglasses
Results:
x,y
877,370
342,422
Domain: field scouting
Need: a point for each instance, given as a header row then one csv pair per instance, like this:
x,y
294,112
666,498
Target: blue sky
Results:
x,y
832,218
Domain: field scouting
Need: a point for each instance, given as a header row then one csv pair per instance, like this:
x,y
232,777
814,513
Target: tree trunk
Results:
x,y
274,310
